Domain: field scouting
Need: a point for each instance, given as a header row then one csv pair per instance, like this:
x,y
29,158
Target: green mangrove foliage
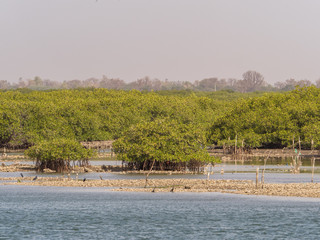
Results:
x,y
163,144
274,120
38,118
93,114
59,154
138,121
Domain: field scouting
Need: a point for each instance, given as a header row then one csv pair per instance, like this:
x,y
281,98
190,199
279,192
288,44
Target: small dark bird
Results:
x,y
84,179
35,178
172,189
153,190
21,175
101,178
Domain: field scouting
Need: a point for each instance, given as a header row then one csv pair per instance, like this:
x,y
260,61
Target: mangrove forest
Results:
x,y
158,129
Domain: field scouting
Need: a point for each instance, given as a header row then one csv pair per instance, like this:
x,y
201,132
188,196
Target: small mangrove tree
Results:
x,y
163,144
59,154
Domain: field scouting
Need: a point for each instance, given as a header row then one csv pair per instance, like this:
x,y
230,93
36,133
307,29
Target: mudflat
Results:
x,y
178,185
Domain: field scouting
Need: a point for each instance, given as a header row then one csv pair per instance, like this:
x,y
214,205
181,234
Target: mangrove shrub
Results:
x,y
59,154
163,144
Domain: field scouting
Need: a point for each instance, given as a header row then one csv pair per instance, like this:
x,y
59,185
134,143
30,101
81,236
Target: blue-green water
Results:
x,y
29,212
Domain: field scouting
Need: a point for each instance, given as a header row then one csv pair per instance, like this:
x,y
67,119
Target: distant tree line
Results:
x,y
274,120
251,81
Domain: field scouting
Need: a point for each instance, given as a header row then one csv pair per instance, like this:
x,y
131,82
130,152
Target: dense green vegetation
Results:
x,y
163,144
38,118
93,114
223,95
59,154
274,120
176,125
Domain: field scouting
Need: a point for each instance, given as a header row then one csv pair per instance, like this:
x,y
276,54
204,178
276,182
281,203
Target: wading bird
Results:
x,y
21,174
35,178
84,179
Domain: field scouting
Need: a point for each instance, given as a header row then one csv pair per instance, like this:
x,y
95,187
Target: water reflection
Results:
x,y
277,170
269,177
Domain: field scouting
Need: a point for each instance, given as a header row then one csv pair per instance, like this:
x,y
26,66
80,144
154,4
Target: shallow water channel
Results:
x,y
277,170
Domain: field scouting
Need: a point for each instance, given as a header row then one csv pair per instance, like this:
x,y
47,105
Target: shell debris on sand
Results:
x,y
178,185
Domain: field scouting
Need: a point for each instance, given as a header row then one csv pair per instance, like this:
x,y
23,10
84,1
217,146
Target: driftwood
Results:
x,y
149,173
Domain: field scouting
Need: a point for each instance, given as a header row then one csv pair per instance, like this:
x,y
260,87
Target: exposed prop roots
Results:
x,y
193,166
59,165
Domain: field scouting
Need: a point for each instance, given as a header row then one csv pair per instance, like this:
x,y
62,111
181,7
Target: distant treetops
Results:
x,y
250,81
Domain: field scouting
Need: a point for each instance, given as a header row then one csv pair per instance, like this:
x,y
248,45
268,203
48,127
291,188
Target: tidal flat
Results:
x,y
237,177
247,187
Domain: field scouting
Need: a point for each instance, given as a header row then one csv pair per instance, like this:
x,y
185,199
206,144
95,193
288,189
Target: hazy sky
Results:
x,y
182,40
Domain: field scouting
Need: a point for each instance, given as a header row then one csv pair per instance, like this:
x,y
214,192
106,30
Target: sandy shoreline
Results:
x,y
178,185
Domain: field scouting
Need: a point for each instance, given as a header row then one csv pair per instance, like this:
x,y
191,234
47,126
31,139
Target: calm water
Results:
x,y
270,177
95,213
30,212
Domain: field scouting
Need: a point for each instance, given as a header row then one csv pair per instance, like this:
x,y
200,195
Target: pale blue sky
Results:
x,y
182,40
